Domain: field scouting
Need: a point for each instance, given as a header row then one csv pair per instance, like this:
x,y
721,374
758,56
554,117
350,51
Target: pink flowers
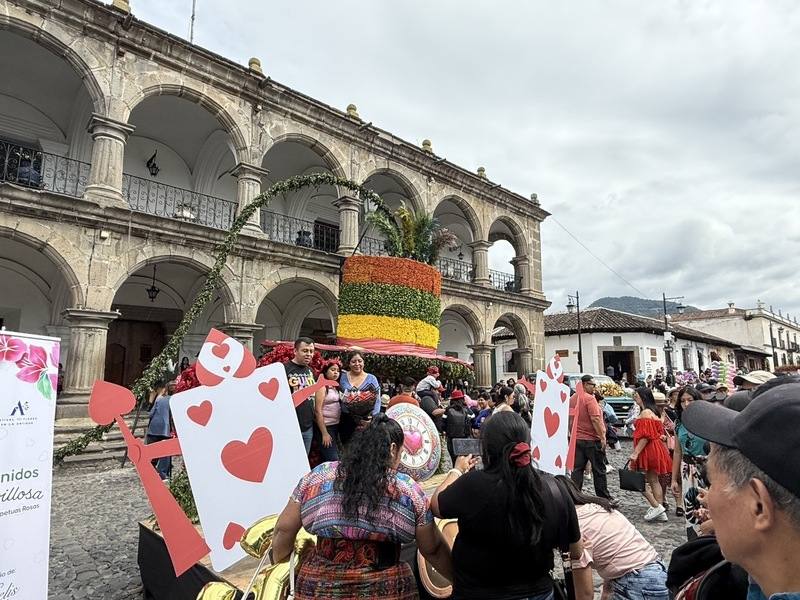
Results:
x,y
11,348
32,364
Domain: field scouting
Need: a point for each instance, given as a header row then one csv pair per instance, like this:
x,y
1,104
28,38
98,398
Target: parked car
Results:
x,y
621,403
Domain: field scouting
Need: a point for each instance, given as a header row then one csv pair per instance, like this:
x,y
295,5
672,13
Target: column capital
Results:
x,y
235,329
245,171
88,318
520,260
522,351
480,245
102,126
347,203
482,348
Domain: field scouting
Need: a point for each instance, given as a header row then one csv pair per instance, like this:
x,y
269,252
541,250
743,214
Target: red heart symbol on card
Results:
x,y
249,460
220,350
413,441
549,372
536,454
227,368
564,396
269,389
542,384
201,413
551,421
233,535
109,400
558,462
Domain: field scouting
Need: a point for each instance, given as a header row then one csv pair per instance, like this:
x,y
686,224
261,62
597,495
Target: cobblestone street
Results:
x,y
94,534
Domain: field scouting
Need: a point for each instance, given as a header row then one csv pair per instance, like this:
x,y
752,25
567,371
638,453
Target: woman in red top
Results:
x,y
650,454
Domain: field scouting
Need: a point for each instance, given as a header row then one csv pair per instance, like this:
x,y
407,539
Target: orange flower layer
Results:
x,y
394,271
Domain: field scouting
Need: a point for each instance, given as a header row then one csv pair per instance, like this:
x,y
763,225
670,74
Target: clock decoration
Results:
x,y
422,448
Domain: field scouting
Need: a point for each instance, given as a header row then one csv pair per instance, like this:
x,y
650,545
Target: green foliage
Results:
x,y
390,301
408,235
180,487
395,367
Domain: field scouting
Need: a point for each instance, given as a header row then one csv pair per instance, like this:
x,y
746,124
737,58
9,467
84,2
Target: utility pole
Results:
x,y
575,303
191,22
668,338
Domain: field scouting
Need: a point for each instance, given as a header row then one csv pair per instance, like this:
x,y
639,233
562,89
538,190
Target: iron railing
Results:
x,y
455,269
39,170
373,247
162,200
299,232
507,282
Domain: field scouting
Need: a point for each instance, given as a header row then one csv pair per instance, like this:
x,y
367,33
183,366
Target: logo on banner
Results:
x,y
20,408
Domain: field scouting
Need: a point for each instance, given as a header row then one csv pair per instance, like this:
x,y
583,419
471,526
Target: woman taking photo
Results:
x,y
649,452
360,393
328,409
612,546
509,520
361,510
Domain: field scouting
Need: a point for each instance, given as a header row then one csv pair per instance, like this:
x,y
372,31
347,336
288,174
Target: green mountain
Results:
x,y
639,306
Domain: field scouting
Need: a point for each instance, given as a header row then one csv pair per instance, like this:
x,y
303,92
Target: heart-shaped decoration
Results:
x,y
201,413
542,384
536,453
412,441
558,462
227,368
551,421
108,401
564,396
549,372
233,535
249,460
269,389
220,350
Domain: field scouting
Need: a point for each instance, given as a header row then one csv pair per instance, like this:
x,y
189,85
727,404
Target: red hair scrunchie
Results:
x,y
520,455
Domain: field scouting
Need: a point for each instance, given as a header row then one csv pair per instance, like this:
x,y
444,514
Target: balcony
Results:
x,y
457,270
299,232
505,281
373,247
35,169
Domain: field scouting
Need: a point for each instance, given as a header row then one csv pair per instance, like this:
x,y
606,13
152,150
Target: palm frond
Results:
x,y
383,221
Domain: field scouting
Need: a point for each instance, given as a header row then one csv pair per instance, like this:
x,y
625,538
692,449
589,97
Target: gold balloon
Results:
x,y
216,590
273,582
257,539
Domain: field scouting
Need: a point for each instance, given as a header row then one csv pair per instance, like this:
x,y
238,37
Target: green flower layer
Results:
x,y
389,300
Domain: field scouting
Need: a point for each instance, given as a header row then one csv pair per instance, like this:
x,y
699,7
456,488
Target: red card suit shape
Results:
x,y
220,350
549,372
551,421
558,462
536,453
109,401
269,389
542,384
564,396
249,460
201,413
413,441
233,535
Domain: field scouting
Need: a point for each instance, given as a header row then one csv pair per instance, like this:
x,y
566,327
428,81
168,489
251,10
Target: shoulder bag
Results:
x,y
631,481
563,589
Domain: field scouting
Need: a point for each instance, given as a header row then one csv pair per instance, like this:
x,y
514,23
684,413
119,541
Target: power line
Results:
x,y
598,259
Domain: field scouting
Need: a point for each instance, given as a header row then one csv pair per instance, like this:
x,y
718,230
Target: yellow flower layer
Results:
x,y
395,329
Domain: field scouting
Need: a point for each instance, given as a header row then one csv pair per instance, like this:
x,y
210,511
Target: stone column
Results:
x,y
242,332
349,210
482,360
522,273
249,186
87,358
523,358
108,154
480,258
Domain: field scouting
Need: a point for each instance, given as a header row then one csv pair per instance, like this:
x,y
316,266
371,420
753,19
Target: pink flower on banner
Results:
x,y
11,348
54,356
33,365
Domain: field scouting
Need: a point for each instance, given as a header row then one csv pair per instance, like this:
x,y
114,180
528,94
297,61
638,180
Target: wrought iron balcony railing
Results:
x,y
455,269
373,247
504,281
39,170
299,232
162,200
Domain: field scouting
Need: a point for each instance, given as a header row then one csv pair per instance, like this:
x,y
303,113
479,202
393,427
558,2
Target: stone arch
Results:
x,y
470,215
205,101
471,319
411,192
516,237
291,315
517,325
315,146
61,49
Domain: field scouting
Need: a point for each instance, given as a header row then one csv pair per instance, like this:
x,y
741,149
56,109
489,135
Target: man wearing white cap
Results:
x,y
752,380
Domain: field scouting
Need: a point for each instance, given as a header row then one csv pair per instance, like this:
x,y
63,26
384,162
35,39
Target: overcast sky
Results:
x,y
665,135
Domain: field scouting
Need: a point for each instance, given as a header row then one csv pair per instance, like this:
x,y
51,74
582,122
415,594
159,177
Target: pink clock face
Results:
x,y
422,449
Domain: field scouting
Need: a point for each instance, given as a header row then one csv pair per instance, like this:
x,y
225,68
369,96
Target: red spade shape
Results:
x,y
269,389
543,384
201,413
249,460
564,396
536,453
233,534
558,462
108,401
220,350
551,421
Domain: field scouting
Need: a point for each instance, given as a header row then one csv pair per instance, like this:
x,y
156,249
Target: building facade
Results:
x,y
125,154
767,339
629,343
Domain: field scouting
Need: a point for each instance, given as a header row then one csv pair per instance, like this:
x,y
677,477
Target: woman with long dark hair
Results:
x,y
505,398
650,454
361,398
361,510
510,518
328,410
626,562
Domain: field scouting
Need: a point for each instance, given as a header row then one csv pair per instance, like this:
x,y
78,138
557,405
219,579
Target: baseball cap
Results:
x,y
764,432
757,377
721,386
704,388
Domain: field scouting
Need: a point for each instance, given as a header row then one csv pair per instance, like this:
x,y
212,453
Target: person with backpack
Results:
x,y
458,421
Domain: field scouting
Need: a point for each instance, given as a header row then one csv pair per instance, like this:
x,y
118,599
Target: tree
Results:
x,y
419,237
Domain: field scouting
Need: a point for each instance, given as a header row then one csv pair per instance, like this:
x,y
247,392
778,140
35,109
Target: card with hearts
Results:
x,y
241,443
550,419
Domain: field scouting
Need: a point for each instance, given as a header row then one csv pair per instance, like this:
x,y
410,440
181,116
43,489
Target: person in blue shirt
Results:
x,y
160,429
486,405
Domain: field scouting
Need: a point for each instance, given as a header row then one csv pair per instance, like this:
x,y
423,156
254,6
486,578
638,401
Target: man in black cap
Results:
x,y
754,497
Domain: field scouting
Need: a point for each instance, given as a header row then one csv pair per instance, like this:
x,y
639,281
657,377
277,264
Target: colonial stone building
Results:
x,y
125,152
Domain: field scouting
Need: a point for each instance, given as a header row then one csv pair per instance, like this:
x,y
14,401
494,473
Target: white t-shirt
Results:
x,y
429,383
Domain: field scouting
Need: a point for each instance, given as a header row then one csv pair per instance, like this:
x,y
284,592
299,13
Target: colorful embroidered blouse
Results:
x,y
404,508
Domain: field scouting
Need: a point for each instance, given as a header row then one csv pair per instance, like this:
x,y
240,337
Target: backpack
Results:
x,y
457,424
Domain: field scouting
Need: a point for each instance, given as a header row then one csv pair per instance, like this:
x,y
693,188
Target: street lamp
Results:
x,y
667,337
153,291
772,345
574,302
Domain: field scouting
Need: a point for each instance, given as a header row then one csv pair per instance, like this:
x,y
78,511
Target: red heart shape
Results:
x,y
220,350
412,441
551,421
201,413
249,460
558,462
233,535
269,389
564,396
536,454
549,372
109,401
227,368
542,384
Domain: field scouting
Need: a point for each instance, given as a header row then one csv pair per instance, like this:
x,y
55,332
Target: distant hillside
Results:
x,y
639,306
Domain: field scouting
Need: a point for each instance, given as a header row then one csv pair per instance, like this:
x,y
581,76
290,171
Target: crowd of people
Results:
x,y
725,458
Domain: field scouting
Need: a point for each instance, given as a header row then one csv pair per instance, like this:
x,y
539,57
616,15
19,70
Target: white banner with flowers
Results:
x,y
28,384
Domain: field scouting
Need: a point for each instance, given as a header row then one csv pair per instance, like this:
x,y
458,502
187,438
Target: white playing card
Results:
x,y
243,452
550,420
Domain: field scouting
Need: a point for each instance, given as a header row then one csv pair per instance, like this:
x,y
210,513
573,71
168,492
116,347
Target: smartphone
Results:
x,y
466,446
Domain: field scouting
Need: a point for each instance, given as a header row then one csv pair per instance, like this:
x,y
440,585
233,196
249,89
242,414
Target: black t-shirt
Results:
x,y
299,378
490,562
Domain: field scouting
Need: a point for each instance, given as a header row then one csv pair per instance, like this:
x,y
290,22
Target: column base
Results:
x,y
346,251
253,229
105,197
484,282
